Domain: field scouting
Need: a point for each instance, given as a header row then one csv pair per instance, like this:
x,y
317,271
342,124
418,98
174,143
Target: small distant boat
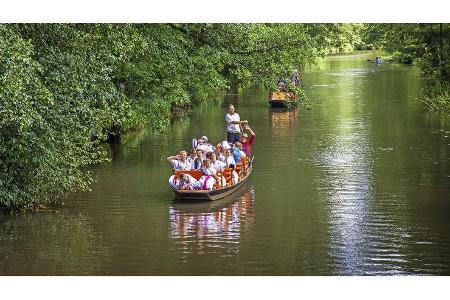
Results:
x,y
218,192
283,99
377,61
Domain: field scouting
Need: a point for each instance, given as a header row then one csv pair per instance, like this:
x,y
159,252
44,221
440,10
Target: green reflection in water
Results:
x,y
49,244
357,185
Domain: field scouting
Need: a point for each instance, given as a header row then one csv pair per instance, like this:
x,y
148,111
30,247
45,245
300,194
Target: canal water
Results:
x,y
359,185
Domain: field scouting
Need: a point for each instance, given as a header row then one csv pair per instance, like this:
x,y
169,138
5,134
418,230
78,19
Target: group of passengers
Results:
x,y
212,160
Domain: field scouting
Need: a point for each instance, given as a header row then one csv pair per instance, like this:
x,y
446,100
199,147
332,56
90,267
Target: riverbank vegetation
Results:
x,y
425,45
65,88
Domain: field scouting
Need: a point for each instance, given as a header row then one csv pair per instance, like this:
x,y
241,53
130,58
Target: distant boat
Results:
x,y
377,61
283,99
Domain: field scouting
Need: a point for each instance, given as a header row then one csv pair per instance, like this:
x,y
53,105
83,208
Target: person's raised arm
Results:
x,y
239,122
249,129
171,158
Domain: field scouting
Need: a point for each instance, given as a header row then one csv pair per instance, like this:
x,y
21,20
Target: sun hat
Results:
x,y
225,145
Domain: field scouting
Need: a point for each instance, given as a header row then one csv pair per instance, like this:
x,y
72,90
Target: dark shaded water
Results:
x,y
360,185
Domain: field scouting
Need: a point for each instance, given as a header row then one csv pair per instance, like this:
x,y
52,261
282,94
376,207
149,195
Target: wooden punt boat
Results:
x,y
283,99
218,193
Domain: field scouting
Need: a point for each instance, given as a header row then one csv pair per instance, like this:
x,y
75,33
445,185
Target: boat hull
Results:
x,y
210,195
283,99
280,103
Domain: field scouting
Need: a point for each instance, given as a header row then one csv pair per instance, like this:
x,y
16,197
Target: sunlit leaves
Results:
x,y
65,88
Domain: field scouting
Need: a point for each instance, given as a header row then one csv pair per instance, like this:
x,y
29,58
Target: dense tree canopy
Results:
x,y
428,45
66,87
425,45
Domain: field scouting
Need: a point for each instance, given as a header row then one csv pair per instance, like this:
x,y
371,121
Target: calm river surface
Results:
x,y
359,185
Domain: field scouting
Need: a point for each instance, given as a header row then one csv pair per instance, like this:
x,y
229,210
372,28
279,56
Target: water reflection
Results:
x,y
206,227
357,185
348,186
364,238
283,120
50,243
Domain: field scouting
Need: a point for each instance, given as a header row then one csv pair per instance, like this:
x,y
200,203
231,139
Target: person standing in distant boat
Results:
x,y
296,77
233,125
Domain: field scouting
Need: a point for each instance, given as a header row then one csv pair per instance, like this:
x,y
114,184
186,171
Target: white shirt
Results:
x,y
221,157
230,126
179,165
209,171
230,161
219,165
205,148
190,160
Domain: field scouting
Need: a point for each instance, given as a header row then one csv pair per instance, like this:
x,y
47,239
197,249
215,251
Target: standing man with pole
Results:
x,y
233,125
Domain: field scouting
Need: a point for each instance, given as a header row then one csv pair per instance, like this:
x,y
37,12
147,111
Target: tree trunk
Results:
x,y
441,53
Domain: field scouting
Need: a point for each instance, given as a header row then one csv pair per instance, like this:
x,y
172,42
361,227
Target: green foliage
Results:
x,y
436,96
65,88
43,143
427,45
346,38
402,57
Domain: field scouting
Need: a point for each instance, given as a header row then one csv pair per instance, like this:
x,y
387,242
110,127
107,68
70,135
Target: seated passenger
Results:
x,y
210,178
229,160
217,164
192,156
281,84
204,145
237,152
220,153
179,162
225,145
174,182
208,168
206,182
183,182
187,182
198,160
218,150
